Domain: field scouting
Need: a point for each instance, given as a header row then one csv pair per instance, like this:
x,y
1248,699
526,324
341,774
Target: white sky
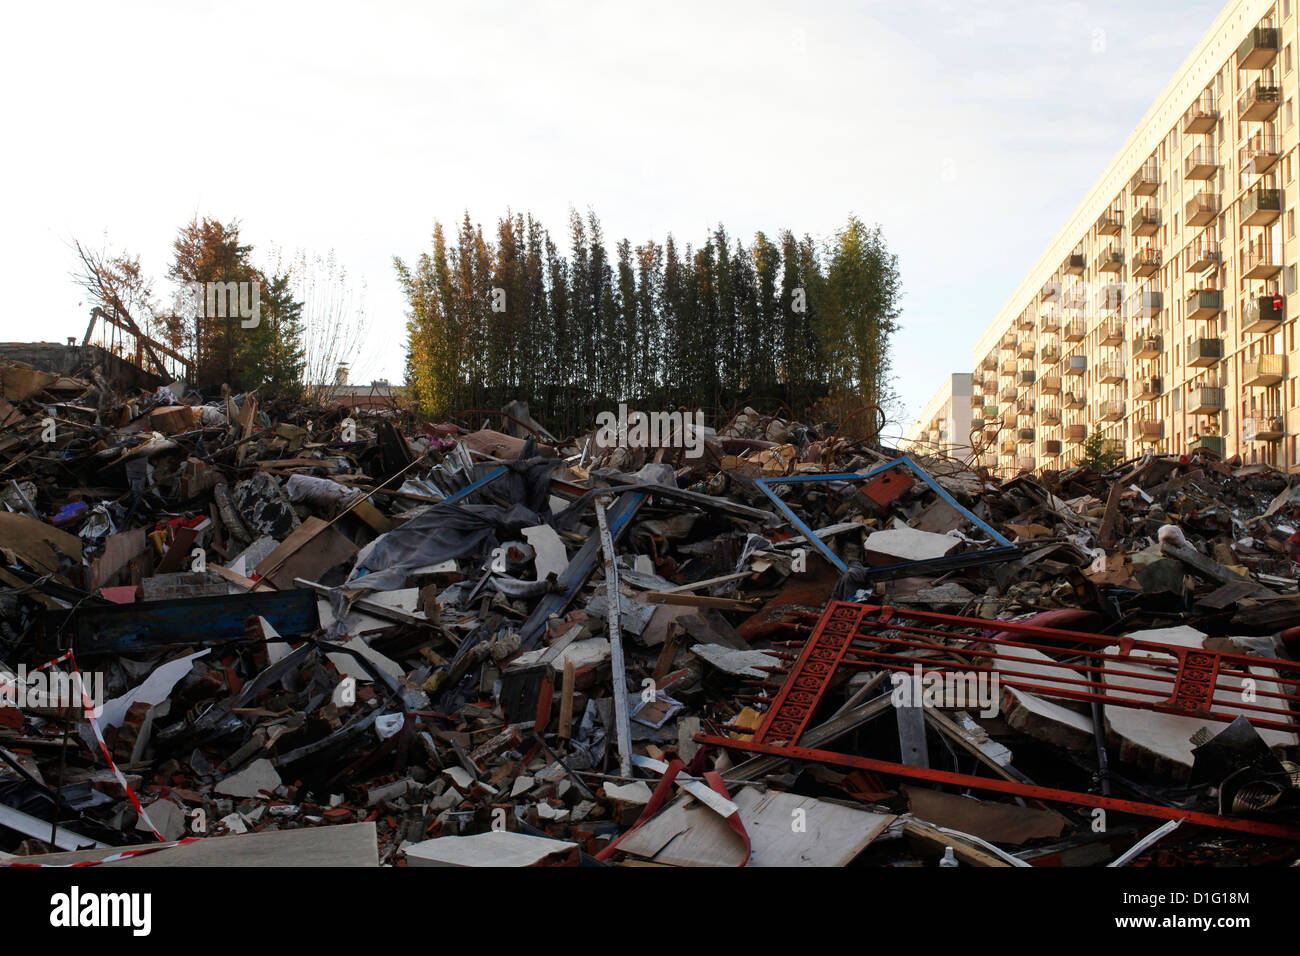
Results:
x,y
968,130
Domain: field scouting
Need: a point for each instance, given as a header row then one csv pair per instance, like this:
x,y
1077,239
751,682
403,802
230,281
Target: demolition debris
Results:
x,y
341,636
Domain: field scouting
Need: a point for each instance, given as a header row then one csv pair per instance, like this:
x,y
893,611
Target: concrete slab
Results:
x,y
349,844
497,848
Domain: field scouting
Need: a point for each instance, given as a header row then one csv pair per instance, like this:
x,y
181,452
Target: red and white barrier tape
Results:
x,y
89,707
123,855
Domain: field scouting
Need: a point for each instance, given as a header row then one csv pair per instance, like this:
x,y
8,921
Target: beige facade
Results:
x,y
945,424
1162,316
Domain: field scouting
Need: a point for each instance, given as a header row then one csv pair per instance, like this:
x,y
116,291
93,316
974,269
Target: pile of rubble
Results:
x,y
496,647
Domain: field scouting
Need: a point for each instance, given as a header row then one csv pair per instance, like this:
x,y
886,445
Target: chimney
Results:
x,y
341,374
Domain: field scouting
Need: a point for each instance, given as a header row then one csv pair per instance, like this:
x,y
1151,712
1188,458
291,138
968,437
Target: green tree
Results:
x,y
860,312
1100,453
209,251
274,351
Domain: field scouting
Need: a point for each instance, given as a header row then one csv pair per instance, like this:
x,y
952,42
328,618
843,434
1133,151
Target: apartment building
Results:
x,y
1162,316
945,424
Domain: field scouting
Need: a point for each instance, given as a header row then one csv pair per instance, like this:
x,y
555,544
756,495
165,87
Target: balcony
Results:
x,y
1007,447
1261,206
1201,115
1212,443
1074,264
1111,373
1049,355
1008,394
1151,387
977,400
1204,304
1201,255
1112,410
1110,223
1150,430
1076,434
1111,332
1262,314
1259,262
1049,322
1007,342
1145,263
1270,428
1260,153
1050,385
1076,365
1110,259
989,362
1201,163
1259,102
1025,321
1025,436
1264,371
1146,181
1050,416
1146,221
1201,209
1025,463
990,413
1051,448
1258,50
1146,303
1025,377
1025,407
1008,367
1026,348
1075,331
1203,353
1205,400
1147,347
1075,400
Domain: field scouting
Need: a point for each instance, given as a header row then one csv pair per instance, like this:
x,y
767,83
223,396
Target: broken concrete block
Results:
x,y
899,545
495,848
739,663
251,781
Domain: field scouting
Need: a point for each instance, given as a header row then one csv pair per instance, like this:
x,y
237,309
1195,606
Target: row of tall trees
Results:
x,y
783,319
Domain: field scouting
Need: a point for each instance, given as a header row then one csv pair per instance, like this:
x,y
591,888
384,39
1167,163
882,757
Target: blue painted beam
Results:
x,y
1004,549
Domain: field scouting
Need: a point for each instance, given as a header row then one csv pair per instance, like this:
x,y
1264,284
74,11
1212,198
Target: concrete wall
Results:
x,y
68,359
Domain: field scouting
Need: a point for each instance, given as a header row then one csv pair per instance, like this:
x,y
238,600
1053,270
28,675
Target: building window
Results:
x,y
1290,279
1290,114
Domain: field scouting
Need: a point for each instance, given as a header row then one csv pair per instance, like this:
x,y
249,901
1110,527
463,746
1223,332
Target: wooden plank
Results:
x,y
697,600
1107,532
1208,567
566,700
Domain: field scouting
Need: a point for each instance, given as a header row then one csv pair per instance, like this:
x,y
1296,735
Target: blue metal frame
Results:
x,y
469,489
1004,547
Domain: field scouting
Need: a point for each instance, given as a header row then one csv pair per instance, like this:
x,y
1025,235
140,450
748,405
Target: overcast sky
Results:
x,y
967,130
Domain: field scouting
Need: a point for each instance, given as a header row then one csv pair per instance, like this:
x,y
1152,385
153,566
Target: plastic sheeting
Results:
x,y
456,530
